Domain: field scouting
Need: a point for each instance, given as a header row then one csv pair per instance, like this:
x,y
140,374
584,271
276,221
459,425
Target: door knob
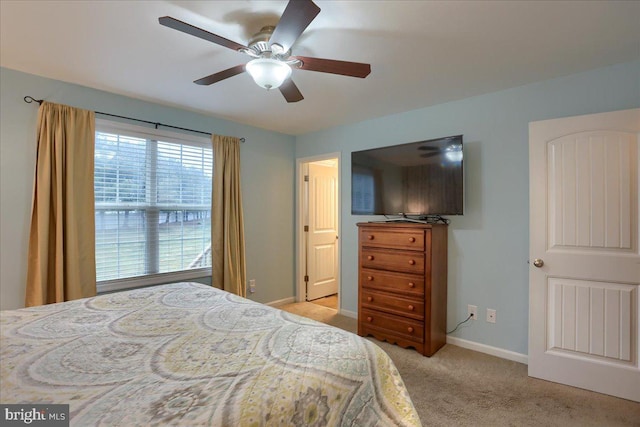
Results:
x,y
538,262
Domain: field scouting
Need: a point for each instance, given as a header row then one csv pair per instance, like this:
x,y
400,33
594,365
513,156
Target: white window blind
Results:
x,y
152,204
362,190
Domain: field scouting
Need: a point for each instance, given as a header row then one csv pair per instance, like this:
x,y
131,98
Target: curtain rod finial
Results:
x,y
29,99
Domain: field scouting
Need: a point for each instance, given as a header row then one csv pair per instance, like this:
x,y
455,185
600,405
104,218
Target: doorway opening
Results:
x,y
318,214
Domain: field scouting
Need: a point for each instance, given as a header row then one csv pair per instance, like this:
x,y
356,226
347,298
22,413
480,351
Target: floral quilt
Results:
x,y
191,355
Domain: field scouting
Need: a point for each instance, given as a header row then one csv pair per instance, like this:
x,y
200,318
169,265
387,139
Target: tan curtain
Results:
x,y
61,263
227,226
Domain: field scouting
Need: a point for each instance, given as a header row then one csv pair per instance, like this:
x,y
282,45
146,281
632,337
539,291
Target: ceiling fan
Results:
x,y
270,49
452,151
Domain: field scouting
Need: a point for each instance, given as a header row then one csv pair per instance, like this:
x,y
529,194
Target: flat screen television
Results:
x,y
420,179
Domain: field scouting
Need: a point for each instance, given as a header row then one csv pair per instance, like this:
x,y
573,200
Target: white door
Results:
x,y
583,284
322,246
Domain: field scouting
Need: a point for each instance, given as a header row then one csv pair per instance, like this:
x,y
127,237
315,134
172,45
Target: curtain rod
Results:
x,y
29,99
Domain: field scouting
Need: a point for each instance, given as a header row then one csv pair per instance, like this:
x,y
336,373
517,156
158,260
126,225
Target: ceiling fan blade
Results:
x,y
221,75
433,153
176,24
290,91
344,68
294,20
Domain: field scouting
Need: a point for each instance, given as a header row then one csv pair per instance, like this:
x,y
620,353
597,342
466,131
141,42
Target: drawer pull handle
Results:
x,y
410,329
370,237
370,257
412,239
369,299
411,307
412,262
369,319
370,278
412,285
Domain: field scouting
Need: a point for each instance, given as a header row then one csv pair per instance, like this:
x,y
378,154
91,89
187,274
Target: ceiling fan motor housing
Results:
x,y
260,48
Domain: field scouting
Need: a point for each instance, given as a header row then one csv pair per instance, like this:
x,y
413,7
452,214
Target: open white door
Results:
x,y
322,249
585,262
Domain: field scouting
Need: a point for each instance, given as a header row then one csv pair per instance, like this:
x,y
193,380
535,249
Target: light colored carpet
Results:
x,y
330,302
460,387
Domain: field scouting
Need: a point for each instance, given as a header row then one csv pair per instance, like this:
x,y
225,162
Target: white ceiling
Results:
x,y
421,53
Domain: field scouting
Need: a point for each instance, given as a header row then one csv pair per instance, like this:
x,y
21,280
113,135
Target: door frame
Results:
x,y
300,236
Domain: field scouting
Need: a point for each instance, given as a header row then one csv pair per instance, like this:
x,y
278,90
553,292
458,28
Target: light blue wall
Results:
x,y
267,179
489,245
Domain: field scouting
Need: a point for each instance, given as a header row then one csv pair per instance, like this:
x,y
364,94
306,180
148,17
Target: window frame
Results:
x,y
121,128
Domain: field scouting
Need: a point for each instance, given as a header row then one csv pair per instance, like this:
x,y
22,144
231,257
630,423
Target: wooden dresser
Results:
x,y
402,292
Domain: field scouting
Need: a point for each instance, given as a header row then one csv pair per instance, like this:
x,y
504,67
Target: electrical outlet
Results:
x,y
472,310
491,315
252,285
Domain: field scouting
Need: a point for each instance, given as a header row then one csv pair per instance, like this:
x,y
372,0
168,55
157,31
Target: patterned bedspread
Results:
x,y
187,354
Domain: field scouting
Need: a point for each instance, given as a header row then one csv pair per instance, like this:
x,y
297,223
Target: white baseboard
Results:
x,y
348,313
471,345
487,349
280,302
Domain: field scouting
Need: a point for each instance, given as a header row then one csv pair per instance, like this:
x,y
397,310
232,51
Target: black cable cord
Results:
x,y
434,219
427,219
464,321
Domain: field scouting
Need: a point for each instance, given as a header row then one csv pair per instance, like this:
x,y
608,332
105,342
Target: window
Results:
x,y
363,190
152,206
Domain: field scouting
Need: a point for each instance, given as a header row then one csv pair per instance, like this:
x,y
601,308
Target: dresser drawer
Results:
x,y
395,304
392,282
396,238
405,328
393,260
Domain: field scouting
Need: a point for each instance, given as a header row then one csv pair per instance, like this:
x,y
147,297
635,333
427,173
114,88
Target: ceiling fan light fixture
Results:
x,y
268,73
453,153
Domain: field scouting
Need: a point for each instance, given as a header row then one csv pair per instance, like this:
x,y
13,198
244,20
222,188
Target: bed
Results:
x,y
188,354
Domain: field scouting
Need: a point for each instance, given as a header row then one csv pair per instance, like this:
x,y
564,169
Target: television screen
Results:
x,y
419,178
